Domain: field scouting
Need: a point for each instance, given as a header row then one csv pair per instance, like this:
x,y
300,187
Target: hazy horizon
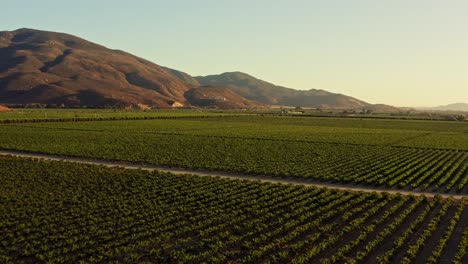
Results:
x,y
399,53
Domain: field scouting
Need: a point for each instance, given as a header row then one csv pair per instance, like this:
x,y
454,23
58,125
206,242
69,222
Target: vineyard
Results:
x,y
48,114
66,213
397,154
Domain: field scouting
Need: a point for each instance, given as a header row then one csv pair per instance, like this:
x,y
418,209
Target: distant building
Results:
x,y
291,112
143,107
216,98
219,98
177,104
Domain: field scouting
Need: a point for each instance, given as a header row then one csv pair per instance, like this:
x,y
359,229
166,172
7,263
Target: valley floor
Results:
x,y
65,212
191,187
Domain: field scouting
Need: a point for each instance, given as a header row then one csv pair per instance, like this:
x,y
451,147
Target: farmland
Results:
x,y
41,114
66,212
398,154
63,212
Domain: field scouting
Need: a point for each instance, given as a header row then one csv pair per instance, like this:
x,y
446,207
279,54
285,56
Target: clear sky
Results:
x,y
399,52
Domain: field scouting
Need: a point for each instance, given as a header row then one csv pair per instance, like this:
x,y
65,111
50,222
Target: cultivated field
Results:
x,y
63,212
51,114
411,155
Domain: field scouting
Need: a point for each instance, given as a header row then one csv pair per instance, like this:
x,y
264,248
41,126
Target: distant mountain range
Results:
x,y
269,94
449,107
41,67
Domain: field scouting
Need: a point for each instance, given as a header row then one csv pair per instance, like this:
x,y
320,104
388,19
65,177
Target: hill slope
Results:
x,y
4,108
267,93
41,67
221,97
452,107
184,77
48,67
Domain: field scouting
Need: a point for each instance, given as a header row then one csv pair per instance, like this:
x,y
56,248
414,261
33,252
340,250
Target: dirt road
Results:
x,y
307,183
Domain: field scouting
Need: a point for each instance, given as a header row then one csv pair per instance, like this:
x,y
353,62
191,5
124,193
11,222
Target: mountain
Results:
x,y
55,68
267,93
450,107
220,97
383,108
184,77
42,67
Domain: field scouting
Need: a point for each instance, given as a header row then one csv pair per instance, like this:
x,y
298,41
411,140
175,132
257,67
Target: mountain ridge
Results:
x,y
45,67
450,107
267,93
55,68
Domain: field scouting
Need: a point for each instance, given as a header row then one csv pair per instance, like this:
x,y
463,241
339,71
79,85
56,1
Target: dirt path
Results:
x,y
307,183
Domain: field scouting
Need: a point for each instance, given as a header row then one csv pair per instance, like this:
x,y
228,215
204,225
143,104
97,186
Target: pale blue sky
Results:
x,y
399,52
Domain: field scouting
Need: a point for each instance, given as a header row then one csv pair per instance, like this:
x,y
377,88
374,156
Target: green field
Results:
x,y
50,113
58,212
402,154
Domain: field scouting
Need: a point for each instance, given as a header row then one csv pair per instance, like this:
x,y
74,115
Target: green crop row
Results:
x,y
62,212
243,145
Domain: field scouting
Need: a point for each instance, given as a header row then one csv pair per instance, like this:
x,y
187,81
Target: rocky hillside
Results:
x,y
185,77
267,93
219,97
41,67
56,68
4,108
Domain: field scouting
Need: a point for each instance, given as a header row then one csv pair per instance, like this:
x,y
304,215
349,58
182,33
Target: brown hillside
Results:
x,y
220,97
268,93
4,108
55,68
184,77
383,108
